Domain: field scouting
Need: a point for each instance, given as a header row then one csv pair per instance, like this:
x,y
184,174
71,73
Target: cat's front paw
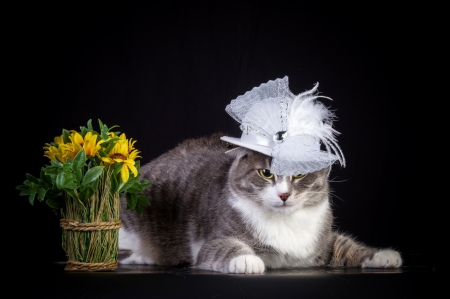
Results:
x,y
248,264
384,259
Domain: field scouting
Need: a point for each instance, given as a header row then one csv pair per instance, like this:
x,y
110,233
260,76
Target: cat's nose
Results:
x,y
284,196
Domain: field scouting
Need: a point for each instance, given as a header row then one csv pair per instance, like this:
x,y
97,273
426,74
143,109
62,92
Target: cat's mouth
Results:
x,y
283,207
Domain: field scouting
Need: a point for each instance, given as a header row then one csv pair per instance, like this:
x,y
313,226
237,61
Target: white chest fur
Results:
x,y
293,236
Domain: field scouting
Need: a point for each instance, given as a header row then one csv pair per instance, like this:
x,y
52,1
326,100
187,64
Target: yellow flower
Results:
x,y
132,152
99,157
91,146
131,143
61,151
89,143
120,153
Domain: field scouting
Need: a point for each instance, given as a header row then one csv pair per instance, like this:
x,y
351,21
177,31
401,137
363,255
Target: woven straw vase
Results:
x,y
90,231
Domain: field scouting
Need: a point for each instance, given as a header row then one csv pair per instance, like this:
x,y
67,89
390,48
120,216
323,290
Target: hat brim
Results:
x,y
256,147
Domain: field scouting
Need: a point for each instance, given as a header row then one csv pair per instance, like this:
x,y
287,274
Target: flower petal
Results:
x,y
124,173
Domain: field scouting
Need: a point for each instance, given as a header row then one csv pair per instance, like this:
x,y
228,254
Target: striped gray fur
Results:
x,y
212,210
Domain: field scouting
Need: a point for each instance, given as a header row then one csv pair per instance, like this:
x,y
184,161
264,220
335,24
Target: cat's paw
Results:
x,y
248,264
134,259
384,259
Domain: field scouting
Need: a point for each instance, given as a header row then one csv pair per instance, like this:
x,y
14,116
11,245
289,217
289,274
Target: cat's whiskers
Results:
x,y
333,195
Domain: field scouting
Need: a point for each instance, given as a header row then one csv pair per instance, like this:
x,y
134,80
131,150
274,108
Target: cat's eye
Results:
x,y
265,174
299,176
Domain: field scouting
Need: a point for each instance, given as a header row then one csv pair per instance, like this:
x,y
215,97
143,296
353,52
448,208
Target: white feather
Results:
x,y
308,116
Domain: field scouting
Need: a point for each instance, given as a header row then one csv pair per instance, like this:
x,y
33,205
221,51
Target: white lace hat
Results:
x,y
286,127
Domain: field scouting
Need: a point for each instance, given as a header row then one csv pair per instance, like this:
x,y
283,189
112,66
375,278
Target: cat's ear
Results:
x,y
237,152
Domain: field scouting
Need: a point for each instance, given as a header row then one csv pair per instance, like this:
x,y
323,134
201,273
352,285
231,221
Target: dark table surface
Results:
x,y
51,280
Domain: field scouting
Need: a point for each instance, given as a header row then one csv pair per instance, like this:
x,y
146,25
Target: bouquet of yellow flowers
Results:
x,y
87,174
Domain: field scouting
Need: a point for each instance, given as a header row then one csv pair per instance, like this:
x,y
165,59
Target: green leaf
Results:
x,y
79,160
60,180
23,188
125,186
31,197
139,210
65,136
95,184
144,184
103,130
53,170
71,194
86,193
138,186
32,179
71,185
26,192
89,125
28,184
55,203
111,144
78,175
92,174
66,180
41,194
45,178
131,201
117,167
67,167
83,131
114,184
134,188
56,163
142,200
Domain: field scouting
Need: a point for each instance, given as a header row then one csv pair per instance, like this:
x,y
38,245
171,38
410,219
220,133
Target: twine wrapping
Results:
x,y
68,224
82,227
78,266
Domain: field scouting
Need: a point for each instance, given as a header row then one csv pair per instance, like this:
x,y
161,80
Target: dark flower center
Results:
x,y
118,156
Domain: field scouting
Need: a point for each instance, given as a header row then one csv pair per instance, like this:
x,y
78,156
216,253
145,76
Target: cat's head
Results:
x,y
252,183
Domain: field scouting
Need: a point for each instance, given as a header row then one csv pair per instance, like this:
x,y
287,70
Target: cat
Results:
x,y
217,207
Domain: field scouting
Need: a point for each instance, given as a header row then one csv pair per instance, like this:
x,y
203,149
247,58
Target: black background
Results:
x,y
165,71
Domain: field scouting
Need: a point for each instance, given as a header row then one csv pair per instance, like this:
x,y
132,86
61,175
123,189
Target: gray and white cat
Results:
x,y
221,209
